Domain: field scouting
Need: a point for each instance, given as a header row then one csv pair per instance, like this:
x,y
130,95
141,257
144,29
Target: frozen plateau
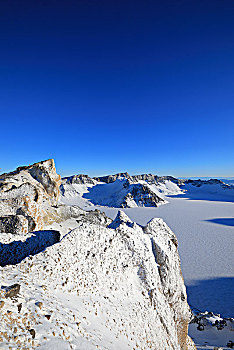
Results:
x,y
104,262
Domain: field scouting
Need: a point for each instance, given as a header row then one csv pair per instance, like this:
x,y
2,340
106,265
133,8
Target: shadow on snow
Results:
x,y
214,295
213,197
222,221
16,251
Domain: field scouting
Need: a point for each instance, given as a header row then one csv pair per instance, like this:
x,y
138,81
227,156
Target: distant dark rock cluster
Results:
x,y
79,179
151,179
142,196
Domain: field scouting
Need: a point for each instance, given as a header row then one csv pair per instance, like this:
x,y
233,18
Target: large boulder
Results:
x,y
31,192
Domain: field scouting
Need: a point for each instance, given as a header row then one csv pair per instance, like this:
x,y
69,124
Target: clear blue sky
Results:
x,y
118,85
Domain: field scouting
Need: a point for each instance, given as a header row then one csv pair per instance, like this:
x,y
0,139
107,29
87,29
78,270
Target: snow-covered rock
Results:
x,y
116,191
29,191
115,287
80,179
149,178
85,281
211,329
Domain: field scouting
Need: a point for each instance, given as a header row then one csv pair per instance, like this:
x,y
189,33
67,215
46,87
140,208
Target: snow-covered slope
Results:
x,y
87,282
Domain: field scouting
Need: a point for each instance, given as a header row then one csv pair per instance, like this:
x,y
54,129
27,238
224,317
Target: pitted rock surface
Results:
x,y
29,192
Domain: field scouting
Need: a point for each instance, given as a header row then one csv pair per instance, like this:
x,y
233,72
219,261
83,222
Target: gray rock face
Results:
x,y
112,178
12,291
151,179
142,196
28,192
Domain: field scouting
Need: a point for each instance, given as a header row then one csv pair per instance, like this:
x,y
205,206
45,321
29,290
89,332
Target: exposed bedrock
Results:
x,y
150,178
28,192
141,195
134,271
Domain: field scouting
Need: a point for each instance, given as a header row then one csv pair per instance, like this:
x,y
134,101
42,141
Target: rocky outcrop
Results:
x,y
151,179
210,323
112,178
99,283
12,291
122,282
141,195
28,193
199,183
14,224
97,217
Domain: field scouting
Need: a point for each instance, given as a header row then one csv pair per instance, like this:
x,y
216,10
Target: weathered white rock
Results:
x,y
111,285
30,192
130,275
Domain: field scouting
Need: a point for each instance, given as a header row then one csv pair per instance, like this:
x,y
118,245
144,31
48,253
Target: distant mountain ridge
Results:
x,y
120,190
123,190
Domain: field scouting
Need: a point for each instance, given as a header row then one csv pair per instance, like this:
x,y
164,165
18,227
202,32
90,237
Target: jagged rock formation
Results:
x,y
141,195
86,281
116,191
209,322
67,212
125,282
80,179
27,196
152,179
199,183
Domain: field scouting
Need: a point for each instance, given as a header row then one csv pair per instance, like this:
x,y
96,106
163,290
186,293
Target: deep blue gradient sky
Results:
x,y
105,86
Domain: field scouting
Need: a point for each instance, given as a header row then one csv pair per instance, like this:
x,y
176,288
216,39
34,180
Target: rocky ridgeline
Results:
x,y
124,279
151,179
122,190
199,183
79,179
96,283
204,320
27,197
209,322
135,194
